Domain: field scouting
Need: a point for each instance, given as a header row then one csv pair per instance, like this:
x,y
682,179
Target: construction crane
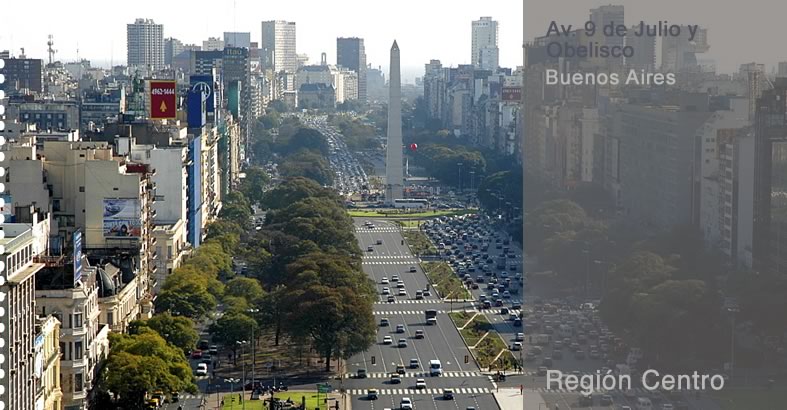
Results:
x,y
50,50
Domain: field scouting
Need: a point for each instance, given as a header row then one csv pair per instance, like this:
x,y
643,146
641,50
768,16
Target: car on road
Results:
x,y
542,370
606,400
406,404
427,293
516,346
400,285
520,337
385,322
386,291
400,369
372,394
379,241
360,374
414,364
419,295
369,249
419,334
391,299
400,328
402,292
196,354
395,278
402,343
412,269
385,280
202,369
448,394
388,340
396,378
420,384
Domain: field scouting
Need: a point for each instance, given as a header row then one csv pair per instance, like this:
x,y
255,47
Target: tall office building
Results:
x,y
770,180
172,48
484,52
22,73
237,39
605,15
351,54
278,46
145,43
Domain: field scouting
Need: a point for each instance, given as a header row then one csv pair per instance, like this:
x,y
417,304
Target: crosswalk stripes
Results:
x,y
410,301
388,263
410,257
637,391
404,312
451,374
367,230
414,392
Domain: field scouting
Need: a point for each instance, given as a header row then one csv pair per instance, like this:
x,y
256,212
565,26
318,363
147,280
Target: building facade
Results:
x,y
277,46
483,49
145,44
351,54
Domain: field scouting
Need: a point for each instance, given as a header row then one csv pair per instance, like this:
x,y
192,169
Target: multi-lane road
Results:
x,y
441,341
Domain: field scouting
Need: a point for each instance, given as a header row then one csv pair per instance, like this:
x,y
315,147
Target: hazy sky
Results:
x,y
424,29
740,31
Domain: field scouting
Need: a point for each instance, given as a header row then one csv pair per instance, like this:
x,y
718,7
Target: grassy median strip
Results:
x,y
445,281
460,318
487,350
399,213
419,243
506,361
475,330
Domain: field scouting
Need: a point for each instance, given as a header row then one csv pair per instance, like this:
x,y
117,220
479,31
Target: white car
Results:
x,y
406,404
386,291
395,278
385,280
402,292
388,340
420,384
202,369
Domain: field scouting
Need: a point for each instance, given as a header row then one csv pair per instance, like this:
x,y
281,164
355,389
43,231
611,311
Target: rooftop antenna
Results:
x,y
51,51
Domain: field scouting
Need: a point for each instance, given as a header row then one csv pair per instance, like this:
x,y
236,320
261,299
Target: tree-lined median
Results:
x,y
445,282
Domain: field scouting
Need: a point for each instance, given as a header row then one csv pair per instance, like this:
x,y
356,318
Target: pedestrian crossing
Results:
x,y
416,392
384,229
389,263
410,301
404,312
410,257
638,391
383,375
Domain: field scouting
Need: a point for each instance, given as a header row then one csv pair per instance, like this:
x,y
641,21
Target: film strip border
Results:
x,y
3,271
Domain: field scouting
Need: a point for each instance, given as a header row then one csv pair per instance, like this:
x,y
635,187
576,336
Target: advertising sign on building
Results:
x,y
163,99
512,93
122,218
205,84
77,240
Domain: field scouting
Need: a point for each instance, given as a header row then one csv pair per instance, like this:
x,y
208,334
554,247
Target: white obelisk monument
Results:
x,y
394,180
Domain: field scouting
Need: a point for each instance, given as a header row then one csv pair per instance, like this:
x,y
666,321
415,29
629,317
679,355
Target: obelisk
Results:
x,y
394,179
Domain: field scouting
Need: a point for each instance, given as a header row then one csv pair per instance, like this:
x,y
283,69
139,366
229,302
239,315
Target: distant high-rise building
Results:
x,y
605,15
350,53
484,53
680,54
212,44
770,180
172,48
237,39
22,73
644,50
278,46
145,44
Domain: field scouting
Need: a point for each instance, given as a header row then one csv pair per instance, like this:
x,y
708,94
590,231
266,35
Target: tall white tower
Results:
x,y
483,48
145,44
394,180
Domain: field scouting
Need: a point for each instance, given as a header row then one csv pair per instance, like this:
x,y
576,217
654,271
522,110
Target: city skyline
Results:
x,y
447,38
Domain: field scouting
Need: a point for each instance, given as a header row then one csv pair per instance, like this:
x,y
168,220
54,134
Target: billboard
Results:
x,y
163,99
205,84
196,108
77,254
512,93
122,218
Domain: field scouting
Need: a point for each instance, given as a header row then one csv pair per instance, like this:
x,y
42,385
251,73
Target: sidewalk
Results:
x,y
511,399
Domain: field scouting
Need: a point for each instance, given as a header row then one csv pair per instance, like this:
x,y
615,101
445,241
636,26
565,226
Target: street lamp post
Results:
x,y
459,164
732,310
242,343
253,349
232,382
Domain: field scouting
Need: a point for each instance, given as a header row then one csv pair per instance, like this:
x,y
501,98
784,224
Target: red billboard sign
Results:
x,y
163,99
512,93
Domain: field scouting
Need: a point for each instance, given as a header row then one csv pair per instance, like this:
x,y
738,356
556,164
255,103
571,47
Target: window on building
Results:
x,y
77,320
78,384
77,350
110,318
62,350
169,252
81,189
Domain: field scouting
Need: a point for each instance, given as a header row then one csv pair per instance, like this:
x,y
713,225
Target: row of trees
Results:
x,y
443,162
358,134
315,290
